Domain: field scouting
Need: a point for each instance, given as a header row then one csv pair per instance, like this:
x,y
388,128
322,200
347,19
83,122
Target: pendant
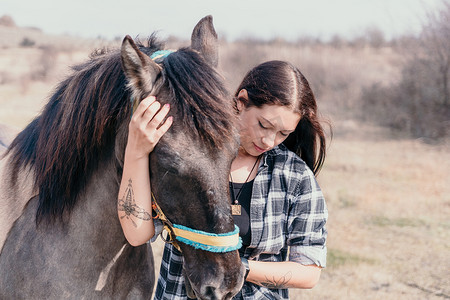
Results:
x,y
235,209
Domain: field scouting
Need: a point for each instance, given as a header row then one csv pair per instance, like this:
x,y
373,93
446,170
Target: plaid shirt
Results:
x,y
287,211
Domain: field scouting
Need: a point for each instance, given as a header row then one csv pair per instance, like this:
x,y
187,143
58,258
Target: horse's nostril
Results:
x,y
210,293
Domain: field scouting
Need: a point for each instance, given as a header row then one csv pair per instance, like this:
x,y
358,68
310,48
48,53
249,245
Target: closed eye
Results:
x,y
261,125
173,171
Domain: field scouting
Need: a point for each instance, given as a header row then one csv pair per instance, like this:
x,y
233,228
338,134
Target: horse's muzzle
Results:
x,y
211,287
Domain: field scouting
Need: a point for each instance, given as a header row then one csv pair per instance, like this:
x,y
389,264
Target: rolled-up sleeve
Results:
x,y
308,214
159,226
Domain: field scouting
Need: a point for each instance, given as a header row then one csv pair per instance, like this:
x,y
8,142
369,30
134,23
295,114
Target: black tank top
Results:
x,y
243,221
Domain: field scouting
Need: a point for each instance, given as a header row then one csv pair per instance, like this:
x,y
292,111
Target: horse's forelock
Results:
x,y
151,45
201,97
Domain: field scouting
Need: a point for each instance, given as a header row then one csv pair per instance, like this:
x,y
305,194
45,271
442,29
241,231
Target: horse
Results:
x,y
60,235
7,134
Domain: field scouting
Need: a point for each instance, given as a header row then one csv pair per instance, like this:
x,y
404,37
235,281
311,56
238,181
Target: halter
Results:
x,y
212,242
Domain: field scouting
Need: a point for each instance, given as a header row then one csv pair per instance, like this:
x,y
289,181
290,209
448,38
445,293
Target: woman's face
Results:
x,y
263,128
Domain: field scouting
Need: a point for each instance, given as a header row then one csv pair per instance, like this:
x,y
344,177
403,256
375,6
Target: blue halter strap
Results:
x,y
161,54
208,241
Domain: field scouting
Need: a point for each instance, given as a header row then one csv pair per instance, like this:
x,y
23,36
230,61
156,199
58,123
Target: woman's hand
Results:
x,y
146,127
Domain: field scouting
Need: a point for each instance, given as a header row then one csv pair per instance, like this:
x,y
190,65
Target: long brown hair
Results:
x,y
281,83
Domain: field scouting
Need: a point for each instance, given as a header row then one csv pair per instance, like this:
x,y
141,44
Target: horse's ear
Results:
x,y
204,40
140,71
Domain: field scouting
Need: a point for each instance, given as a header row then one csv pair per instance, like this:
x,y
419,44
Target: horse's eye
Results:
x,y
173,171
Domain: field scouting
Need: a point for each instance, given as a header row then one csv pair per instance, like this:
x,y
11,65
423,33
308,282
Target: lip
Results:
x,y
258,148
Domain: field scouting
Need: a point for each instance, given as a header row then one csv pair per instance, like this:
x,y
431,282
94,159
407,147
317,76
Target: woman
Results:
x,y
272,179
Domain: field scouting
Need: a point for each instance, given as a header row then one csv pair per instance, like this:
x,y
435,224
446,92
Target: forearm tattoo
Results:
x,y
274,283
128,205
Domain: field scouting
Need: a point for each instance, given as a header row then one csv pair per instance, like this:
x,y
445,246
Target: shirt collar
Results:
x,y
272,153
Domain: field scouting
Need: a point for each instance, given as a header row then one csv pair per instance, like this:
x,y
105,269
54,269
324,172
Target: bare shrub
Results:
x,y
419,103
7,21
358,42
337,41
239,57
46,63
435,46
412,106
5,77
27,42
24,84
375,37
371,37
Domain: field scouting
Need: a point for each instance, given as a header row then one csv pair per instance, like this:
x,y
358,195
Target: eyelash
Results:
x,y
262,126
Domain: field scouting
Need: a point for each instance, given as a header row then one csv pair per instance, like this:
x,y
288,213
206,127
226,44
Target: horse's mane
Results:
x,y
76,130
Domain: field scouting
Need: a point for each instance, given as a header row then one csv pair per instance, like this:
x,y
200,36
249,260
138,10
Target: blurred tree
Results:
x,y
420,102
7,21
26,42
435,43
375,37
337,41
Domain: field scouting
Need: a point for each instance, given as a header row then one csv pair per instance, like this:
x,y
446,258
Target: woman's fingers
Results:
x,y
149,123
165,126
150,114
143,105
159,117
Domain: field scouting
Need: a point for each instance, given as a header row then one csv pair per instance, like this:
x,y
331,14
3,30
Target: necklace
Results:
x,y
236,207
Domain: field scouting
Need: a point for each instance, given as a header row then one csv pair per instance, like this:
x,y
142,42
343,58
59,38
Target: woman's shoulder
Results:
x,y
284,158
295,173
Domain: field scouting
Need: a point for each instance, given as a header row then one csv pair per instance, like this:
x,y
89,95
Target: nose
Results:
x,y
210,292
213,275
213,293
221,288
268,141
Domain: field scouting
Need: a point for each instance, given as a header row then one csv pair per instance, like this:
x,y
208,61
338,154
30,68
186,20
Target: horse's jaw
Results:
x,y
187,284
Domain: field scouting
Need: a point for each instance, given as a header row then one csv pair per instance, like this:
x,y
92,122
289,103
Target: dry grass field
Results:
x,y
388,197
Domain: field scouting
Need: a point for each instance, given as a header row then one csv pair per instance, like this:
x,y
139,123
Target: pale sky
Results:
x,y
289,19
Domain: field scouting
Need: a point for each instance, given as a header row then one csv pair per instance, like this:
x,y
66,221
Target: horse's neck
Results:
x,y
96,207
101,191
7,134
14,195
